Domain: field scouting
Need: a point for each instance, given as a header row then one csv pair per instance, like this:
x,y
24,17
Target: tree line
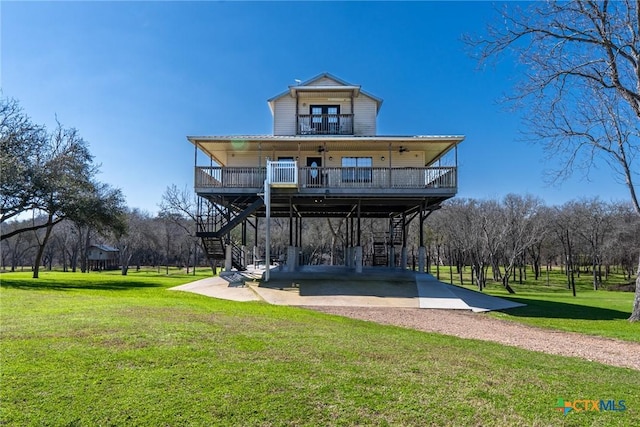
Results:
x,y
503,237
498,239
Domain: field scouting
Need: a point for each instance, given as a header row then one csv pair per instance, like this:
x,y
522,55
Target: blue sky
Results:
x,y
136,77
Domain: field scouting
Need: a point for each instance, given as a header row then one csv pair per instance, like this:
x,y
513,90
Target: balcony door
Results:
x,y
325,119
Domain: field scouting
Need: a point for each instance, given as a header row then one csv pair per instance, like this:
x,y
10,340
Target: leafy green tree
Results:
x,y
51,175
20,143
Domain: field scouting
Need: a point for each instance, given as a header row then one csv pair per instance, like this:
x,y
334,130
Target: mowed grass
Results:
x,y
602,312
102,349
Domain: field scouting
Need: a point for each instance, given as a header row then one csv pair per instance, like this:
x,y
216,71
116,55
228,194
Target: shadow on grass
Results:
x,y
58,285
562,310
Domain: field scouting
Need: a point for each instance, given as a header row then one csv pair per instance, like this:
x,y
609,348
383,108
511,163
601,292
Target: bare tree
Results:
x,y
581,91
594,223
522,229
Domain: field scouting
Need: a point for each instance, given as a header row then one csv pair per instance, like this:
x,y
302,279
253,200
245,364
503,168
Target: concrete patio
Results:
x,y
340,286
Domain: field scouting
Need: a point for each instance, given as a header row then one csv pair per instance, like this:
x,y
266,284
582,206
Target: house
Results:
x,y
323,159
103,257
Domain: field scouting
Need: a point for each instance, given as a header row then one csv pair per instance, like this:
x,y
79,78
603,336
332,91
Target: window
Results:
x,y
325,119
356,169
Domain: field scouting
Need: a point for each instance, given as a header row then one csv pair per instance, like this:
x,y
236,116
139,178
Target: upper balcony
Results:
x,y
325,124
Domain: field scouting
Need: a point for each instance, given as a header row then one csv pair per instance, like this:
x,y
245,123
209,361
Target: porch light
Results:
x,y
382,159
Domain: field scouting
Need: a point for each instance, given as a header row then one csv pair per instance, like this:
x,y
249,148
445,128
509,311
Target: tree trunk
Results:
x,y
635,314
36,267
505,282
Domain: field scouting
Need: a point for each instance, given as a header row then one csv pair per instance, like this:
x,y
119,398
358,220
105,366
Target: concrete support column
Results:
x,y
358,259
422,259
245,256
348,256
292,258
392,256
403,258
227,258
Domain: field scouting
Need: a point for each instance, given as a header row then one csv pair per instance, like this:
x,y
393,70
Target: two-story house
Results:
x,y
323,159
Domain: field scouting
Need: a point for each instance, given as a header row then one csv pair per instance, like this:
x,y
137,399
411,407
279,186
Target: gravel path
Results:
x,y
478,326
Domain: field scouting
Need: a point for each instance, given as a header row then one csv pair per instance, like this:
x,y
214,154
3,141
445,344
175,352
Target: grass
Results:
x,y
102,349
603,312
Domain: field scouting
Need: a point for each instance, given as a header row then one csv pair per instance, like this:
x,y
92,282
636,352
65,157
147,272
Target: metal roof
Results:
x,y
304,86
105,248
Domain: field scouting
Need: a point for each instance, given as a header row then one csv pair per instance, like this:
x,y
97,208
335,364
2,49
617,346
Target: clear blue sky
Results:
x,y
136,77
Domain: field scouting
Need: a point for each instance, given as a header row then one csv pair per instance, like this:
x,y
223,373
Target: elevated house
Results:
x,y
103,257
324,159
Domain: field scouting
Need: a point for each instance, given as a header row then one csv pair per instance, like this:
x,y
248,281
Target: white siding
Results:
x,y
331,159
398,160
284,116
244,159
307,101
364,116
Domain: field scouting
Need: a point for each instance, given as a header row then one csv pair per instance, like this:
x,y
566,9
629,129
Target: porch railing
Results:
x,y
282,172
325,124
330,178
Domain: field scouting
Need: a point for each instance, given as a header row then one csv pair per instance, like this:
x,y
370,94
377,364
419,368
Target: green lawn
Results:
x,y
102,349
552,305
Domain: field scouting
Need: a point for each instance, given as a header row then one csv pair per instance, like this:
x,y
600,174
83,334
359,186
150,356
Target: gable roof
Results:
x,y
105,248
307,85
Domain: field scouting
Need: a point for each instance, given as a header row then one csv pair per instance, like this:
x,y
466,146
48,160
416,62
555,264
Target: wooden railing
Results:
x,y
332,178
325,124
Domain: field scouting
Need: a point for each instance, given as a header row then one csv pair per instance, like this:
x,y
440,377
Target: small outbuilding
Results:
x,y
103,257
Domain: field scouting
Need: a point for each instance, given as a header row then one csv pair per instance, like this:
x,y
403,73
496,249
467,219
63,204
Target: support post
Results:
x,y
403,258
267,204
290,222
292,259
227,257
358,259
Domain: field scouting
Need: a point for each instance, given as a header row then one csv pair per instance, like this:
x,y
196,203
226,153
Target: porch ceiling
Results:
x,y
433,147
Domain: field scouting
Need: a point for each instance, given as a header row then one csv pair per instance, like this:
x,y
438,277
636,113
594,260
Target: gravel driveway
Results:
x,y
479,326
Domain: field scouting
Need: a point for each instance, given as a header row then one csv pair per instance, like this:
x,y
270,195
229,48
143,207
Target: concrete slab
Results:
x,y
364,293
218,287
436,294
341,286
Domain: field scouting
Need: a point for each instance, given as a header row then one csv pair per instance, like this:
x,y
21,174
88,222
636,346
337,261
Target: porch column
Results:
x,y
358,259
347,247
227,257
352,254
403,258
290,222
292,258
403,253
245,255
422,259
422,251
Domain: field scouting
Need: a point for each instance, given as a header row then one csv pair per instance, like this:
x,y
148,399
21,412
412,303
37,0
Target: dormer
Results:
x,y
325,105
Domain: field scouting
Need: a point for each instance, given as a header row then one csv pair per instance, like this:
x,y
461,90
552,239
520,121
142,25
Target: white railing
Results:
x,y
282,172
